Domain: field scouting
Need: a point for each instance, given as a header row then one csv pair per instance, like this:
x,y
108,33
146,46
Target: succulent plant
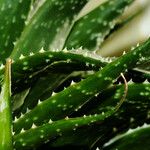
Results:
x,y
57,91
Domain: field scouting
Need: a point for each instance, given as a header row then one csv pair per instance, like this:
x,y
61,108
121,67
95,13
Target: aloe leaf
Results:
x,y
144,67
133,112
24,69
90,30
45,86
13,14
34,137
5,110
139,91
73,97
135,35
127,116
58,27
42,89
18,99
135,139
48,27
27,68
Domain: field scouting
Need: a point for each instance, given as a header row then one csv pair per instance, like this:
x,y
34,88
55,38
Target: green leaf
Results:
x,y
135,139
5,111
144,68
13,14
90,30
37,135
49,30
73,97
28,68
48,27
41,89
18,99
133,112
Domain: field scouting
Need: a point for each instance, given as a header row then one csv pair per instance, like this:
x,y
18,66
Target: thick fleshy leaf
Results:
x,y
90,30
41,90
18,99
135,139
27,69
5,110
13,14
64,102
87,135
133,112
46,69
34,137
48,27
50,30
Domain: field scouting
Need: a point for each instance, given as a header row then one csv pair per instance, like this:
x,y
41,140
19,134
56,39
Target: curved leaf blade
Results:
x,y
135,139
5,110
128,116
65,102
90,30
48,27
33,137
13,14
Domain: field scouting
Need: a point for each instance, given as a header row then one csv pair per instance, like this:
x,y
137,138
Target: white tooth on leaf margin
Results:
x,y
50,121
39,102
72,82
31,54
33,126
22,130
21,56
42,50
53,93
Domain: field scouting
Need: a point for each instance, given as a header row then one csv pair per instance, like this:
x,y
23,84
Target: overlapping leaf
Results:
x,y
135,139
13,14
50,26
5,111
133,112
65,101
34,137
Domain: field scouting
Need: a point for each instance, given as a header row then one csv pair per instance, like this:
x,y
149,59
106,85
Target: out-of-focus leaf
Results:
x,y
57,24
90,30
135,139
13,14
48,27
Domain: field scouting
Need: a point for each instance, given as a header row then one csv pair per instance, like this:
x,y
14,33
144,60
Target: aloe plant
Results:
x,y
57,91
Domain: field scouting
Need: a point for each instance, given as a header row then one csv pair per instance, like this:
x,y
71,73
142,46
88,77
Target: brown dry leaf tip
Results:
x,y
8,61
